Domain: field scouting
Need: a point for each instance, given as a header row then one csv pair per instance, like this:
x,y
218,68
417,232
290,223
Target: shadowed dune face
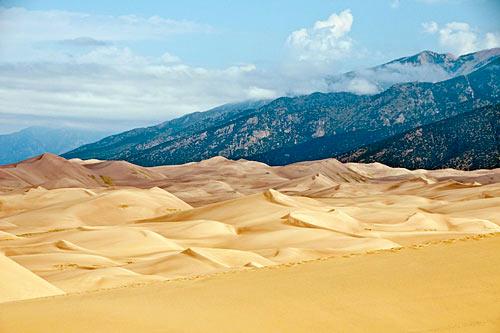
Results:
x,y
246,215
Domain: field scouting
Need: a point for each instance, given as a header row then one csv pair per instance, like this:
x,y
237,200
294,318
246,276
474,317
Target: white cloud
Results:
x,y
460,38
169,58
325,42
88,73
36,25
377,79
59,64
66,65
492,40
115,84
111,55
361,86
260,93
38,35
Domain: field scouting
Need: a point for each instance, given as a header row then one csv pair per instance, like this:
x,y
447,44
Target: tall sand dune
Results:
x,y
86,239
45,169
110,224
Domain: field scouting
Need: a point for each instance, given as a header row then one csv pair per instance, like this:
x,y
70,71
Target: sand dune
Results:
x,y
331,168
218,178
78,207
81,239
19,283
111,224
48,170
124,173
336,221
308,185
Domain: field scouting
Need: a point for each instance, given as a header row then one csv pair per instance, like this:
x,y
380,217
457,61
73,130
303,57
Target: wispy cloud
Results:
x,y
81,72
377,79
84,70
67,65
38,35
29,25
460,38
112,82
83,42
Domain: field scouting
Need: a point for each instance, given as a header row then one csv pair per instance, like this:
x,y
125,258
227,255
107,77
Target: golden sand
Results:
x,y
447,286
115,225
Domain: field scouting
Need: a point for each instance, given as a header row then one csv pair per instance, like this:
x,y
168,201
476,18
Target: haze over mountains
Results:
x,y
322,125
36,140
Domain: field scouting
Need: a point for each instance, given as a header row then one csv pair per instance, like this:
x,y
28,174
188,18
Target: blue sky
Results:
x,y
132,63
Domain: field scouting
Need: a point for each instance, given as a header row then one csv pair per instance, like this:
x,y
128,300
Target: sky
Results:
x,y
115,65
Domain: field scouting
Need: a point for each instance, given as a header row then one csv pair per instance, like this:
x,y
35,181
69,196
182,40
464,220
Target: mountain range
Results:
x,y
127,144
315,126
467,141
36,140
426,66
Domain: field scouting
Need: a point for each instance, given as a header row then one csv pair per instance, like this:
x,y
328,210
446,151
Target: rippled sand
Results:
x,y
97,225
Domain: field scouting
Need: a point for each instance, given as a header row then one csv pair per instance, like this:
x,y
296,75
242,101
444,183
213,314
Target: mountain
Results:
x,y
467,141
426,66
302,128
396,110
37,140
124,145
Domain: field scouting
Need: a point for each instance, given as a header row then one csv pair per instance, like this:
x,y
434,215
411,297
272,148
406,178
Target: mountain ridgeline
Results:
x,y
427,66
320,125
124,146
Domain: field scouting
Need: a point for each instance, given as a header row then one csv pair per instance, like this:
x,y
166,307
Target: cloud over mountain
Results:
x,y
145,68
460,38
325,41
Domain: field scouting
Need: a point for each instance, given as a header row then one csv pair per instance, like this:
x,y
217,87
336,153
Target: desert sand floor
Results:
x,y
75,227
441,286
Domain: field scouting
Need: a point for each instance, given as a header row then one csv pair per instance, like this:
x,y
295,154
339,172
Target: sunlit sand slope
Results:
x,y
19,283
447,286
85,239
76,226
